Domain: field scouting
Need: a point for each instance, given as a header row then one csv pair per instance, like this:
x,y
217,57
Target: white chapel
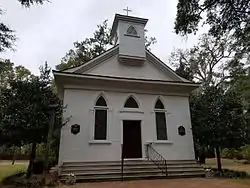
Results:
x,y
125,107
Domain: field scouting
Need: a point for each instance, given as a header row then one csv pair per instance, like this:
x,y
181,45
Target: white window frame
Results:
x,y
132,35
107,140
165,112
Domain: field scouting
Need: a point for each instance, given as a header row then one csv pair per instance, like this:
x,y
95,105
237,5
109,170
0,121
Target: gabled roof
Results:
x,y
82,69
73,69
164,66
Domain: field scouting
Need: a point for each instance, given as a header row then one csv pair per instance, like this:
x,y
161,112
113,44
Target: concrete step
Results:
x,y
127,162
117,177
115,168
133,169
83,171
111,165
137,176
95,173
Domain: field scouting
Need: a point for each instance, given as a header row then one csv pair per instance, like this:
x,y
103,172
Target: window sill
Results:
x,y
129,35
100,142
160,142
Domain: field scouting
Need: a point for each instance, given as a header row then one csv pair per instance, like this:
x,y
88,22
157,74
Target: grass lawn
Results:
x,y
229,164
6,169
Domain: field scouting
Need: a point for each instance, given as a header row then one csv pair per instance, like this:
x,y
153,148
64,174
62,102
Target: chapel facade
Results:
x,y
125,104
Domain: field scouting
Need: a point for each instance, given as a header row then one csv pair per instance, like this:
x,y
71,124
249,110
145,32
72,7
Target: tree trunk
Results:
x,y
217,149
31,160
13,155
202,158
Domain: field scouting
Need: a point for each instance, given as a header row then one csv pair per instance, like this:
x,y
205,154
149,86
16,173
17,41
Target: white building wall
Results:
x,y
81,147
132,46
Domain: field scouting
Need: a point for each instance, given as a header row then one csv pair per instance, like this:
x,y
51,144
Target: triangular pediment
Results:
x,y
108,64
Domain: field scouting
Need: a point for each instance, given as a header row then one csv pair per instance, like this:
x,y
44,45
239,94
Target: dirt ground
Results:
x,y
167,183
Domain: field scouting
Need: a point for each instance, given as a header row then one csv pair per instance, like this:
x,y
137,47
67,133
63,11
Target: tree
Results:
x,y
22,73
218,120
25,111
6,72
184,71
28,3
9,72
206,62
92,47
7,37
240,81
88,48
224,17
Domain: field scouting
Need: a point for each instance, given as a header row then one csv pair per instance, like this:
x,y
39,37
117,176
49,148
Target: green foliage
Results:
x,y
10,72
7,38
32,182
218,119
88,48
6,72
26,110
228,174
21,73
245,152
231,153
184,71
241,83
223,17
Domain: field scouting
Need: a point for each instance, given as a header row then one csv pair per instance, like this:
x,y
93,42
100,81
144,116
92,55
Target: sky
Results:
x,y
46,32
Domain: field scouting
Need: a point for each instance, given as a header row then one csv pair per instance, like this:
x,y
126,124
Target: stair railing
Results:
x,y
122,161
157,159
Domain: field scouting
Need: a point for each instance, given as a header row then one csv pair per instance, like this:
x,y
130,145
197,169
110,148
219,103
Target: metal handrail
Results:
x,y
122,161
157,159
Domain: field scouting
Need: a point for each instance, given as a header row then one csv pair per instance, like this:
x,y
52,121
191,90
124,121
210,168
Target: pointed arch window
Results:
x,y
159,104
131,103
160,120
100,130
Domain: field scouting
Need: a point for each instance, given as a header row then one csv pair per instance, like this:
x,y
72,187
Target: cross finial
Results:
x,y
127,10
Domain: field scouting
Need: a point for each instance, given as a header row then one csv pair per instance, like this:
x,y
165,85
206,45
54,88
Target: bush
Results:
x,y
231,153
70,179
239,154
39,165
245,152
33,182
226,173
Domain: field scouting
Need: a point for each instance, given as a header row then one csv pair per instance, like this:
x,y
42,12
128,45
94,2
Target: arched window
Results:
x,y
131,31
159,105
101,102
160,120
131,103
100,131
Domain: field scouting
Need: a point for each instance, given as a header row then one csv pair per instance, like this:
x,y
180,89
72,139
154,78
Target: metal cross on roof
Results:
x,y
127,10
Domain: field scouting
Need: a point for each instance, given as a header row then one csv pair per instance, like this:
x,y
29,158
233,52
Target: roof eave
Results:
x,y
109,78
